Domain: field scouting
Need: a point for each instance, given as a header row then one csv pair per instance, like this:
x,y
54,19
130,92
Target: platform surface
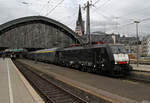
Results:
x,y
141,67
97,83
12,88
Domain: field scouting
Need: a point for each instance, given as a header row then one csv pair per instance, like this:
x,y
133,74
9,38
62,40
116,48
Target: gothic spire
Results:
x,y
79,15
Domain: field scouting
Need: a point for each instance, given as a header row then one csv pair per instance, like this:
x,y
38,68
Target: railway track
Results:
x,y
48,90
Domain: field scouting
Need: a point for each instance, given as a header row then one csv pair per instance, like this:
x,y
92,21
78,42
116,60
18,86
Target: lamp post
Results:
x,y
137,22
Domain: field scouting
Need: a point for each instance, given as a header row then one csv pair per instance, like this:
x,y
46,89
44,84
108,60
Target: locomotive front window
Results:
x,y
122,49
116,49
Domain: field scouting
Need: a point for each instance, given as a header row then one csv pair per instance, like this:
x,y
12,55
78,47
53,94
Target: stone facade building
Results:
x,y
129,42
99,37
146,46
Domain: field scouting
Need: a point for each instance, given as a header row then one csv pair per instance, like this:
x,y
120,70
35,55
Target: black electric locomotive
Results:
x,y
97,58
111,59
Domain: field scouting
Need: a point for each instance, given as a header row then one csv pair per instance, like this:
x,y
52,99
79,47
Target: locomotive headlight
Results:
x,y
71,62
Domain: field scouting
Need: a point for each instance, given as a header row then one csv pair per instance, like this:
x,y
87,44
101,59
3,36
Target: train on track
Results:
x,y
100,58
13,53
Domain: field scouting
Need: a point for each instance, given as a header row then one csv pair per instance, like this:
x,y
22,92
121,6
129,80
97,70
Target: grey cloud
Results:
x,y
126,10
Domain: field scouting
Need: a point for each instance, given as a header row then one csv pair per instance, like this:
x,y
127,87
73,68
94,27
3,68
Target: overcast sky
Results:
x,y
106,15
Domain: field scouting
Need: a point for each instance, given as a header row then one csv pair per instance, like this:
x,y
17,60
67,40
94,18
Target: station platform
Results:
x,y
14,88
113,89
144,68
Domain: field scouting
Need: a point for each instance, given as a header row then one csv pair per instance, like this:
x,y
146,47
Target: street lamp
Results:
x,y
137,22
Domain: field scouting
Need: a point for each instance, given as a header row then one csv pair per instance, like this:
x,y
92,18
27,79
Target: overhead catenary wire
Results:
x,y
142,20
54,8
126,24
134,12
137,11
96,2
131,20
101,14
146,19
104,16
97,8
120,17
119,25
67,17
104,4
44,6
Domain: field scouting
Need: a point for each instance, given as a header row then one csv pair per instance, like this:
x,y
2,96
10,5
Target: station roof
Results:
x,y
14,23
